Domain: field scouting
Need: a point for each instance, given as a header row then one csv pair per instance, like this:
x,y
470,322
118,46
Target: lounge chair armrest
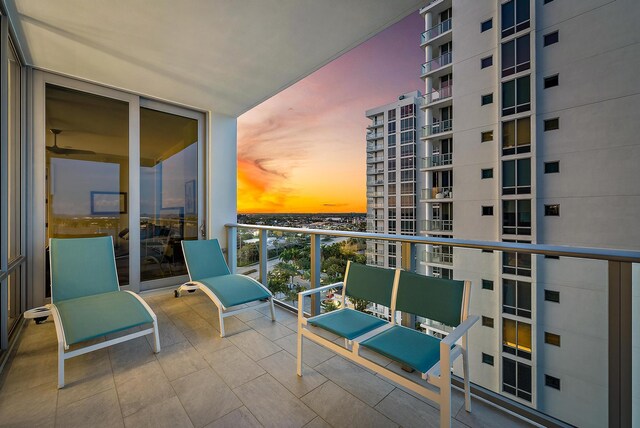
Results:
x,y
460,330
320,289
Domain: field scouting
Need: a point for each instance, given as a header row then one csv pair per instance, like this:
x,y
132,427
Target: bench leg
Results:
x,y
445,397
465,372
299,360
60,365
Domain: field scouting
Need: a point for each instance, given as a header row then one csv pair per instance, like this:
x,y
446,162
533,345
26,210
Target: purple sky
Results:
x,y
303,150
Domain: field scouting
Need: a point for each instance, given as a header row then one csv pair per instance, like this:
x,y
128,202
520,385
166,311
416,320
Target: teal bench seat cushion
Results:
x,y
89,317
234,289
347,322
413,348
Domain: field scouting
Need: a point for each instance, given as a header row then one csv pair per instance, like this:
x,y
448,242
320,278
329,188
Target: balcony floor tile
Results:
x,y
247,379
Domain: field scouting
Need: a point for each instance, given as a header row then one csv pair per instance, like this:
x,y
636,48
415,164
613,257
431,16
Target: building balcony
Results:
x,y
375,159
375,194
437,63
374,135
437,160
373,171
375,182
375,124
375,205
435,31
372,147
437,225
442,255
436,96
436,128
437,193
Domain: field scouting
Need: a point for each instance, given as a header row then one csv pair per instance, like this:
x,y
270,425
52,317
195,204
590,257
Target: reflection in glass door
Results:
x,y
168,191
87,169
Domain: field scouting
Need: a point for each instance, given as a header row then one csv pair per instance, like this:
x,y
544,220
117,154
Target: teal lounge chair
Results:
x,y
86,301
209,272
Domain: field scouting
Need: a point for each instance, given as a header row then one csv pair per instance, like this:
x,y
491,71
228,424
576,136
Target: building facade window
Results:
x,y
516,217
487,284
551,81
487,359
486,173
516,176
515,16
516,298
487,321
486,136
516,263
551,38
406,124
552,167
486,62
487,210
516,96
552,339
391,115
486,25
516,378
552,210
391,140
486,99
516,55
406,111
551,124
391,128
516,136
552,296
516,338
552,382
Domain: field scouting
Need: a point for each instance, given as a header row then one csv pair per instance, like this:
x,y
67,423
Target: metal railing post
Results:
x,y
408,260
263,256
232,248
316,264
620,351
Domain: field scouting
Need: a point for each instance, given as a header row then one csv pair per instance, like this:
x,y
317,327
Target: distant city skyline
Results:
x,y
303,150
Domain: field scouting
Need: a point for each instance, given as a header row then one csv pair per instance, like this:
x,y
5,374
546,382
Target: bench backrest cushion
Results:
x,y
204,259
437,299
82,267
369,283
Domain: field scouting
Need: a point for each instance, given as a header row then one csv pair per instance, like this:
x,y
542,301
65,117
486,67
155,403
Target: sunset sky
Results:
x,y
303,151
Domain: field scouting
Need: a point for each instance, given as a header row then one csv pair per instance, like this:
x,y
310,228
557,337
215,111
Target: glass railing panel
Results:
x,y
542,340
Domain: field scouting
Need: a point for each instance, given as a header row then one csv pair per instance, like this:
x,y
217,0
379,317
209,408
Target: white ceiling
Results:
x,y
226,56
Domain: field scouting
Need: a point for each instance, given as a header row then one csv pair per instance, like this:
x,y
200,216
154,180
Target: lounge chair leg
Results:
x,y
465,369
299,360
156,337
445,397
221,318
273,310
60,365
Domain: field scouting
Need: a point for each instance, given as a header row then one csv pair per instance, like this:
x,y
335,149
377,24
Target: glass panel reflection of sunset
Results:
x,y
87,164
168,191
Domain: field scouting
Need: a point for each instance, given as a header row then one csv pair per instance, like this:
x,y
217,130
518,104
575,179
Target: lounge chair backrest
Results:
x,y
204,259
437,299
369,283
82,267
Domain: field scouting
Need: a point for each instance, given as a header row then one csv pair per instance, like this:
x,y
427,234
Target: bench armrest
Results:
x,y
460,330
320,289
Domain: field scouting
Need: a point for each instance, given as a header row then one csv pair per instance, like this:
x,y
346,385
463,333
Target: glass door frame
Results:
x,y
200,118
37,191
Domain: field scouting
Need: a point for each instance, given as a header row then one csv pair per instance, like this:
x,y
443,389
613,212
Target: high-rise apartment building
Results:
x,y
393,181
532,106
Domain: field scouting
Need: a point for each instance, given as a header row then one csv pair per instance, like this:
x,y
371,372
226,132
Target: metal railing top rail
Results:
x,y
627,256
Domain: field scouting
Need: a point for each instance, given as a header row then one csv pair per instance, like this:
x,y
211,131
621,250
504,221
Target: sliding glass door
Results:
x,y
169,191
121,166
